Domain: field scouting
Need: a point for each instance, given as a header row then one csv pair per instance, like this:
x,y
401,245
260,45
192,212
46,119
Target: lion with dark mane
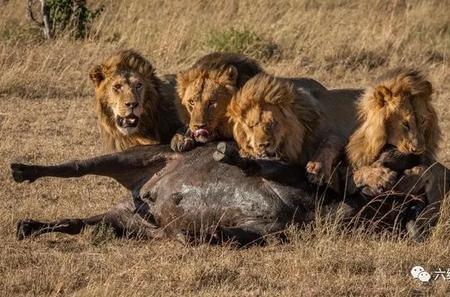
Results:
x,y
206,89
133,105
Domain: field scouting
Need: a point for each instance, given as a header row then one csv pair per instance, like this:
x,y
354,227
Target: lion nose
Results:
x,y
132,104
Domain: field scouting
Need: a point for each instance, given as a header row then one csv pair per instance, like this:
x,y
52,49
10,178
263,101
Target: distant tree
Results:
x,y
58,16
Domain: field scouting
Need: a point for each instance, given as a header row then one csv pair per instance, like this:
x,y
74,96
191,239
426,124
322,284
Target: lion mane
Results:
x,y
404,86
159,119
298,114
231,70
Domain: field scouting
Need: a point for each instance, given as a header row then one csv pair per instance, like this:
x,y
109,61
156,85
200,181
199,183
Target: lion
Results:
x,y
396,117
206,89
396,112
273,119
133,105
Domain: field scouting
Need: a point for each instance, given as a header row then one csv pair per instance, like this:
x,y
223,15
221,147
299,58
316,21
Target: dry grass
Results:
x,y
46,116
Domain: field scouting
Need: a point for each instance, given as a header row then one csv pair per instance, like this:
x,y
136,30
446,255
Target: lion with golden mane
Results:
x,y
133,105
273,119
397,115
396,112
205,90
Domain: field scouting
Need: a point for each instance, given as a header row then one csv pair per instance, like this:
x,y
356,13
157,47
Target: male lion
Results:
x,y
396,112
396,115
272,119
205,90
133,105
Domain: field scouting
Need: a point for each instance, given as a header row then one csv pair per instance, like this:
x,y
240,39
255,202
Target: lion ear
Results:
x,y
427,88
97,75
382,95
182,82
229,75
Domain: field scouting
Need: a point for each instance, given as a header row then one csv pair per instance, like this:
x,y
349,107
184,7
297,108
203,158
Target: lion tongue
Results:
x,y
201,134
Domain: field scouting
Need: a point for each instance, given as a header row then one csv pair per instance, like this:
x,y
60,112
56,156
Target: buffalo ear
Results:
x,y
229,75
382,95
97,75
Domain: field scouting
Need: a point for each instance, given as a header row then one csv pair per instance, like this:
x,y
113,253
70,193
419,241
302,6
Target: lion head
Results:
x,y
396,112
205,91
271,119
128,100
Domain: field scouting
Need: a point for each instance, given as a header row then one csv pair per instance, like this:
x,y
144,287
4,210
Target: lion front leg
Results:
x,y
182,141
320,169
374,180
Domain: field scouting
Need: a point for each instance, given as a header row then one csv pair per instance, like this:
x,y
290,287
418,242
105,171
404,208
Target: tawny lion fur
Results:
x,y
293,111
159,120
213,79
399,92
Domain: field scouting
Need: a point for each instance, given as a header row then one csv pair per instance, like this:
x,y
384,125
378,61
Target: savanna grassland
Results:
x,y
46,116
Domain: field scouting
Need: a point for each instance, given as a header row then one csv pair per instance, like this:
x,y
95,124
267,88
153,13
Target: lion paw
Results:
x,y
182,143
314,171
376,180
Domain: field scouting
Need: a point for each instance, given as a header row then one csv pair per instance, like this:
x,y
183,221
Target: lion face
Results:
x,y
398,112
404,129
270,119
126,93
261,131
205,99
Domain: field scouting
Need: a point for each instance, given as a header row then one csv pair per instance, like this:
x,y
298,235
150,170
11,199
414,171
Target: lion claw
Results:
x,y
181,143
315,172
375,181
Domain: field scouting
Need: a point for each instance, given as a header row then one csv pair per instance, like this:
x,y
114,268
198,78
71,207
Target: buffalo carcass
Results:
x,y
190,196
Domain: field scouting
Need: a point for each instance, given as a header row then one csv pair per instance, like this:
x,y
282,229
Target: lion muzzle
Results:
x,y
130,121
201,135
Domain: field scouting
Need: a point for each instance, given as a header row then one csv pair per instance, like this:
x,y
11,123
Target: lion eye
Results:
x,y
406,126
117,87
191,102
138,86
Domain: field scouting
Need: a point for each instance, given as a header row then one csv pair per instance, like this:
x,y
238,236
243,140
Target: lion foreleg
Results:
x,y
182,141
321,169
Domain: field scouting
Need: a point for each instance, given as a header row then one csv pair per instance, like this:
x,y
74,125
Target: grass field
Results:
x,y
46,116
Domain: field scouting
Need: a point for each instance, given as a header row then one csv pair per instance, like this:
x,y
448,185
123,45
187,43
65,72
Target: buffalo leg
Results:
x,y
123,219
32,228
131,168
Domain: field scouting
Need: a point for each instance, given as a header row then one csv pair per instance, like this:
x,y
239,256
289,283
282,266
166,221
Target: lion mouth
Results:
x,y
130,121
272,156
201,135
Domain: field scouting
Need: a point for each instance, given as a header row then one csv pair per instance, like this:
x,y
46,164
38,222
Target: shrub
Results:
x,y
60,16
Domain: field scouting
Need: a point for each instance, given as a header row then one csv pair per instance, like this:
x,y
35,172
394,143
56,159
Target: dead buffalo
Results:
x,y
190,196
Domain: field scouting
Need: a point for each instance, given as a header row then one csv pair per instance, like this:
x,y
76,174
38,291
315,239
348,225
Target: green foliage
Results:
x,y
72,16
244,41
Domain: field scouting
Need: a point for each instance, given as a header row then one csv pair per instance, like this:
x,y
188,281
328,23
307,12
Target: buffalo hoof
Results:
x,y
22,172
26,228
226,153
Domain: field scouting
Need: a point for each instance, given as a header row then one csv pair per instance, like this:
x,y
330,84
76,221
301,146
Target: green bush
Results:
x,y
245,42
72,16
